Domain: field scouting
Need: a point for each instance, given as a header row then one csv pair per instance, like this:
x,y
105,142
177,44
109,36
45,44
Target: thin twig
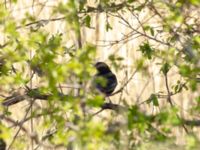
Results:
x,y
170,101
125,84
20,127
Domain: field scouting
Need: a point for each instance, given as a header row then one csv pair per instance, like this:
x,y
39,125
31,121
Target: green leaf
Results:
x,y
3,13
113,57
96,101
82,3
54,42
108,26
130,1
148,28
185,70
193,85
139,8
14,1
195,2
137,119
139,63
165,68
87,20
146,50
152,31
153,99
10,28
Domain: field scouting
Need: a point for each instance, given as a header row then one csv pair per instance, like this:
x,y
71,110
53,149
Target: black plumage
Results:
x,y
105,79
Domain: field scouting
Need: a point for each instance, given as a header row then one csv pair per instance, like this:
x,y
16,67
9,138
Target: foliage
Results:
x,y
38,64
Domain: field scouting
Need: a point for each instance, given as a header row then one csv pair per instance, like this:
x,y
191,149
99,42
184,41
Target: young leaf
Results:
x,y
153,99
146,50
165,68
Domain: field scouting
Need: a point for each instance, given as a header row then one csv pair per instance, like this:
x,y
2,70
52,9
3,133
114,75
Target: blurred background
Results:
x,y
153,47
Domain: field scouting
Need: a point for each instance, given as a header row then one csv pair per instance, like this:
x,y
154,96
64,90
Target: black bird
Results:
x,y
105,80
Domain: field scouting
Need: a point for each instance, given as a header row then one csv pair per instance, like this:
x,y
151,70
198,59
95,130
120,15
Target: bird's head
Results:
x,y
102,67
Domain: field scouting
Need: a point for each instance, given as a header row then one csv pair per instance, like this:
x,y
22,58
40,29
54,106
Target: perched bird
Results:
x,y
105,80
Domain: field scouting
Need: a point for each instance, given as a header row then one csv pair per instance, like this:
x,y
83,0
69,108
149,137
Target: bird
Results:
x,y
105,80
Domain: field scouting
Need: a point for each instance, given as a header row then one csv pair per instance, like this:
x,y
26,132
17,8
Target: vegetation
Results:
x,y
47,98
